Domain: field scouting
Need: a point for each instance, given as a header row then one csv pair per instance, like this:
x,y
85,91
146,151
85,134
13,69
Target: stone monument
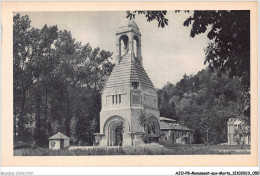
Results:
x,y
128,94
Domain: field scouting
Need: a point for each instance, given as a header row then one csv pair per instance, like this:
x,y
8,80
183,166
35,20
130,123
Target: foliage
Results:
x,y
67,152
196,100
121,127
204,102
189,149
167,106
229,49
142,119
159,16
21,145
57,83
230,35
240,133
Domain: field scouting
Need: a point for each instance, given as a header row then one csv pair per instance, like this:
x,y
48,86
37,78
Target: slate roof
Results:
x,y
166,119
128,71
59,136
168,126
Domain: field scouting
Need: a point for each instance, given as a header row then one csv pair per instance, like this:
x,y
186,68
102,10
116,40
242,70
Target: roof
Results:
x,y
59,135
167,126
167,119
126,23
127,72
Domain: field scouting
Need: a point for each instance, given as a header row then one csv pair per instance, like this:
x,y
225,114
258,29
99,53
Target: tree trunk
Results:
x,y
46,111
68,117
21,118
14,124
37,118
14,106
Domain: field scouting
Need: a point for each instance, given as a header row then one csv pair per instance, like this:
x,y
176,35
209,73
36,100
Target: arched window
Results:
x,y
152,126
123,45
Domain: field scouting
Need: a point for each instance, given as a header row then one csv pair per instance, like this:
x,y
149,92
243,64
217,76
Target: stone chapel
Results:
x,y
128,93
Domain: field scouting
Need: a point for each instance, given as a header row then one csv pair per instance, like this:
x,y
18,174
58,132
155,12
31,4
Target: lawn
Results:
x,y
202,149
188,149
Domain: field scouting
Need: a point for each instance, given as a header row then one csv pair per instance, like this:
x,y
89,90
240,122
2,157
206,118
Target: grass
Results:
x,y
188,149
202,149
66,152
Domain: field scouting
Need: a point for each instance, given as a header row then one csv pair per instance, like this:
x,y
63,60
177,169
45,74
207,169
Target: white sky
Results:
x,y
168,53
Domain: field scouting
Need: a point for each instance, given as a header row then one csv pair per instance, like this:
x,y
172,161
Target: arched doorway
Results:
x,y
153,129
115,129
116,134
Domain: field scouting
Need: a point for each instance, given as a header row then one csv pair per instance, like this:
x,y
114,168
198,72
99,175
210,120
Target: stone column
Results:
x,y
118,50
131,46
131,42
103,141
138,139
139,54
127,141
231,131
109,138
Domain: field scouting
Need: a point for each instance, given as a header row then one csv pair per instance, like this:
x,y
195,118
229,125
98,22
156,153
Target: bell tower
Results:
x,y
128,41
128,94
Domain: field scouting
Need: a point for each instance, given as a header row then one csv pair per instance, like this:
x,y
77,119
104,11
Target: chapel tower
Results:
x,y
128,93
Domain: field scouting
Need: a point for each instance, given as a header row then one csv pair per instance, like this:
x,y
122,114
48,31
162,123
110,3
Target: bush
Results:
x,y
174,149
21,145
66,152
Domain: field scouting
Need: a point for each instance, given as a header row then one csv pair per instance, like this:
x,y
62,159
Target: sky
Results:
x,y
168,53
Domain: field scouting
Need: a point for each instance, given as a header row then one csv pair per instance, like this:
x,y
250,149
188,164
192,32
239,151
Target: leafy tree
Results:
x,y
166,106
229,50
31,47
241,133
206,109
142,119
230,35
143,123
159,16
57,83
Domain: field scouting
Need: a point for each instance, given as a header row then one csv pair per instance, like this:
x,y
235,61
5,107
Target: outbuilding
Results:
x,y
59,141
173,132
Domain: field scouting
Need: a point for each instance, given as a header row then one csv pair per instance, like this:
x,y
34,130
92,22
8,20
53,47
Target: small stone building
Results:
x,y
59,141
173,132
233,125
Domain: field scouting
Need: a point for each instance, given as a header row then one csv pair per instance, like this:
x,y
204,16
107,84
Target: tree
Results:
x,y
31,49
143,123
142,119
230,35
159,16
240,133
207,108
57,83
229,32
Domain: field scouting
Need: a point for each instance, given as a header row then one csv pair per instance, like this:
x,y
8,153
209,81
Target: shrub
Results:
x,y
21,145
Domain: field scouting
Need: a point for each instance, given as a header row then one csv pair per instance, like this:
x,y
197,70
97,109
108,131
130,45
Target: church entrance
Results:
x,y
116,134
